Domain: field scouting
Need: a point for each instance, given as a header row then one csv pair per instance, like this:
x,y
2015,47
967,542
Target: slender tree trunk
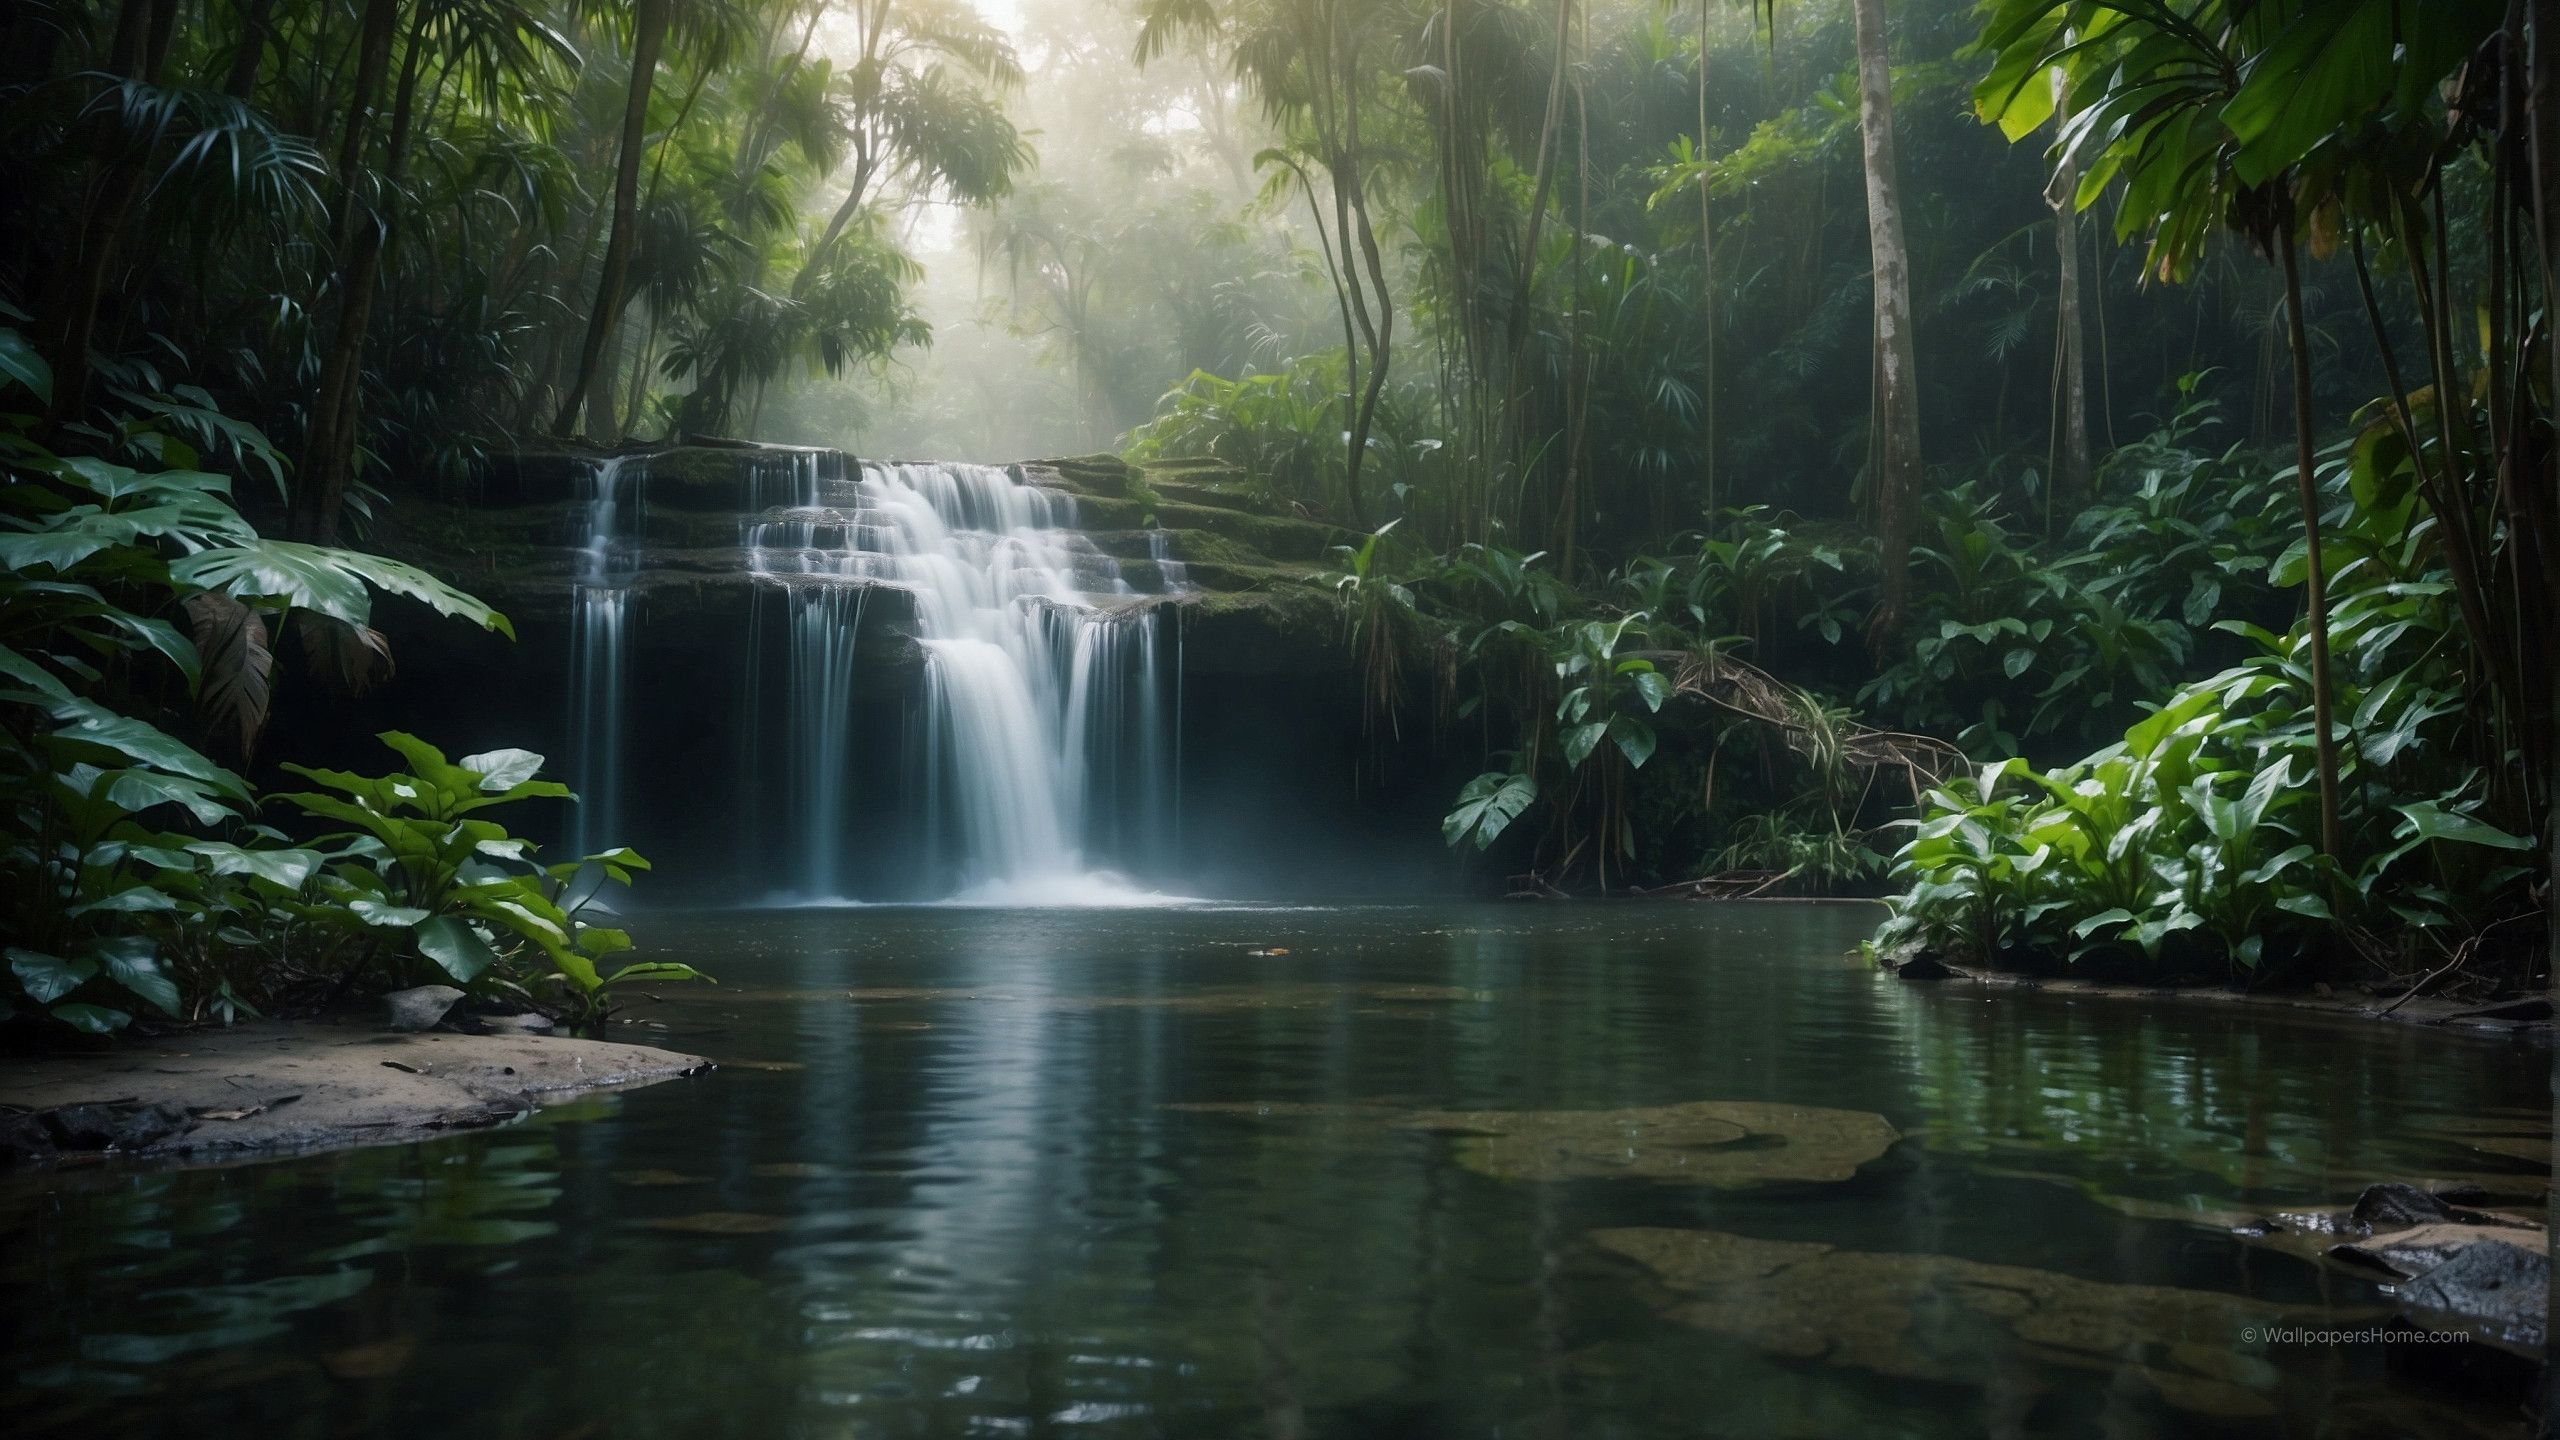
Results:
x,y
139,49
335,432
2070,487
2325,748
1382,333
256,19
1706,263
1897,401
648,37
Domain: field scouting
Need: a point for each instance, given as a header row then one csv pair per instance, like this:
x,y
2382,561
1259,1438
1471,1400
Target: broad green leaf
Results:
x,y
2427,820
285,868
1486,807
1581,740
450,941
20,362
47,978
133,961
387,916
1634,738
94,1019
502,769
657,970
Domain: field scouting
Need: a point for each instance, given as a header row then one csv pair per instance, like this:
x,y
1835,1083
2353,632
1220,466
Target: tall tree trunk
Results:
x,y
256,19
1382,331
1897,400
2070,486
331,436
2325,749
1706,264
138,51
648,37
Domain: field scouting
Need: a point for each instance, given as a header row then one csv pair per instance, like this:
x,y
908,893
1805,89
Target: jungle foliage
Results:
x,y
139,876
1607,548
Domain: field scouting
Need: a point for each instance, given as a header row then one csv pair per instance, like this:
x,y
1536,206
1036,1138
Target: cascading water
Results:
x,y
1171,574
1046,737
613,519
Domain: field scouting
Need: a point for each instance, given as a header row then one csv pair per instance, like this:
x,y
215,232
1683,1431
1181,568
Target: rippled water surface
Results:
x,y
986,1172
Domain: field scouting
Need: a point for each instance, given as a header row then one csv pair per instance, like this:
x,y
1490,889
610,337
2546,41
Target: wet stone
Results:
x,y
2494,1288
421,1008
115,1127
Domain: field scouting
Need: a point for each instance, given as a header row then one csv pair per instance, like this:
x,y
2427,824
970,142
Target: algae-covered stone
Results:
x,y
1707,1142
1901,1315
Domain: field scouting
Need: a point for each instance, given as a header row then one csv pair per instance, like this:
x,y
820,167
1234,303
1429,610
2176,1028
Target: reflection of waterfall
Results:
x,y
615,513
1046,735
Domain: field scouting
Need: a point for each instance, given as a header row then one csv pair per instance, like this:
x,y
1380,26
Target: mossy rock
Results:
x,y
1224,496
1100,476
1724,1143
1924,1317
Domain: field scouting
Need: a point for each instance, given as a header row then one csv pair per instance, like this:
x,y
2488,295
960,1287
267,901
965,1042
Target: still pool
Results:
x,y
1590,1170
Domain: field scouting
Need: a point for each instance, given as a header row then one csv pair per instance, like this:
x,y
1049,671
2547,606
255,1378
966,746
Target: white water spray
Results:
x,y
1047,747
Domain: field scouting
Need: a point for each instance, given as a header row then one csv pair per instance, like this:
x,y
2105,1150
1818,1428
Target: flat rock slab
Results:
x,y
272,1088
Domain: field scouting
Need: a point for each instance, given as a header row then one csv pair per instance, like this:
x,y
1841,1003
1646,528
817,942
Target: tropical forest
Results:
x,y
1309,719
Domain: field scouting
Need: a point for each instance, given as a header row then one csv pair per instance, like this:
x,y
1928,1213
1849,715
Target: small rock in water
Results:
x,y
2394,1206
2491,1285
419,1009
115,1127
24,1140
1925,966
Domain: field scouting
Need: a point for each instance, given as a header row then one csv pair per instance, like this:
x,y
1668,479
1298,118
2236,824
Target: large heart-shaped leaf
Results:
x,y
450,941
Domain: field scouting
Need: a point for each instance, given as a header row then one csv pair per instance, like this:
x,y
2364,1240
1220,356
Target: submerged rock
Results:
x,y
1728,1143
1923,1317
414,1010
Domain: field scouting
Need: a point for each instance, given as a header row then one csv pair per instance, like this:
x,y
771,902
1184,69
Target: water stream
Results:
x,y
613,516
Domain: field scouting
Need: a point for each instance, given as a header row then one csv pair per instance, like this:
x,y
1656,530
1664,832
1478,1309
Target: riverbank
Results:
x,y
277,1088
2526,1016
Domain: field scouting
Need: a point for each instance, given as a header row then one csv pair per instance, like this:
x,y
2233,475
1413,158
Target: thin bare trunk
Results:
x,y
648,37
140,46
2325,740
1896,420
2070,466
256,20
334,434
1706,261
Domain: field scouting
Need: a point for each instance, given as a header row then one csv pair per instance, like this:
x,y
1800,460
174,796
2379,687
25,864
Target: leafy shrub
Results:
x,y
133,874
2198,824
454,891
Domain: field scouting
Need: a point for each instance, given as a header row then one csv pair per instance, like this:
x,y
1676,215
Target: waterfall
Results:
x,y
613,515
1172,576
1046,736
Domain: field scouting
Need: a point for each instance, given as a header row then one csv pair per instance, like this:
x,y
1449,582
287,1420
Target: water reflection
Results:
x,y
986,1172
